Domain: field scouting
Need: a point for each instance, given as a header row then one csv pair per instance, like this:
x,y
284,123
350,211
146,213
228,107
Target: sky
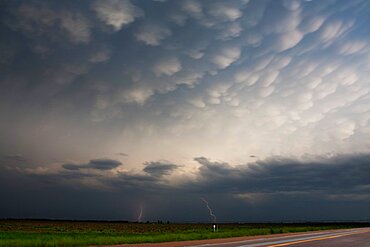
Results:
x,y
110,107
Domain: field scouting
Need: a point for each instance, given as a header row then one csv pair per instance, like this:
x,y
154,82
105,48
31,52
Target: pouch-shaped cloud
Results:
x,y
167,66
226,56
137,95
288,40
45,21
116,13
193,8
100,56
352,47
77,27
152,34
225,12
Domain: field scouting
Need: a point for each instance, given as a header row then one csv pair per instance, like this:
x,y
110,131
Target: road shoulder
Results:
x,y
224,240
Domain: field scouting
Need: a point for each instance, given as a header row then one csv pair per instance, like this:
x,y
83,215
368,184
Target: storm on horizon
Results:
x,y
127,109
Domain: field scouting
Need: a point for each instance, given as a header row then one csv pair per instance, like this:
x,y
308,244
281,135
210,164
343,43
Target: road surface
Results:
x,y
343,238
359,237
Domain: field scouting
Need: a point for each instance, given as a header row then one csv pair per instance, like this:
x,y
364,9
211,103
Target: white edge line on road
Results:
x,y
313,234
339,234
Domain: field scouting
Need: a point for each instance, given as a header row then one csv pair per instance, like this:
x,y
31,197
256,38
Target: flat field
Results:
x,y
84,233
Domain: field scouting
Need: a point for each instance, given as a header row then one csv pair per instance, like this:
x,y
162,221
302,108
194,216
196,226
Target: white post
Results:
x,y
214,228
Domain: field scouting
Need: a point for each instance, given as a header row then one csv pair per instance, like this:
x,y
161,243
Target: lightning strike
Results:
x,y
209,209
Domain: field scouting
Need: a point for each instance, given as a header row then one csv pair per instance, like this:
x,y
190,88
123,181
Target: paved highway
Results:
x,y
342,238
359,237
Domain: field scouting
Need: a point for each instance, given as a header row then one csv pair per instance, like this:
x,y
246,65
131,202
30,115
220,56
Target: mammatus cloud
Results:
x,y
42,20
174,80
77,27
137,95
117,13
100,56
193,8
232,31
352,47
333,30
168,66
212,85
312,24
288,40
152,34
226,57
225,12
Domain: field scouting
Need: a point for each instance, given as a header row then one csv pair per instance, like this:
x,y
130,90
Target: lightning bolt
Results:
x,y
209,209
140,214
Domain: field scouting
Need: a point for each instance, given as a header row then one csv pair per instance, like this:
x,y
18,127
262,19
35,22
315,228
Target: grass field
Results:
x,y
74,233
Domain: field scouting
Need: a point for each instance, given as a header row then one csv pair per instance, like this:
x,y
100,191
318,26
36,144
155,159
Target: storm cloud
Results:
x,y
330,177
281,181
159,168
99,164
262,107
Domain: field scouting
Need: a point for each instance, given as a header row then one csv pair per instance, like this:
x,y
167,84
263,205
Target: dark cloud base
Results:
x,y
159,168
99,164
275,189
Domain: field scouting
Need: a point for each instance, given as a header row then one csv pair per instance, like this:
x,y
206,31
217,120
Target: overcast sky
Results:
x,y
260,107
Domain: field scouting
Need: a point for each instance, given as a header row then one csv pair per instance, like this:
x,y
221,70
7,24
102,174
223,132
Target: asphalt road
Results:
x,y
343,238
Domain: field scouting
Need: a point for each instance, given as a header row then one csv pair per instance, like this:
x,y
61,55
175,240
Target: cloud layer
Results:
x,y
263,89
328,182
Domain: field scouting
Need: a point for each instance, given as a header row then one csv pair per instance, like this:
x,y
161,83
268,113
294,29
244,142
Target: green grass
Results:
x,y
64,233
